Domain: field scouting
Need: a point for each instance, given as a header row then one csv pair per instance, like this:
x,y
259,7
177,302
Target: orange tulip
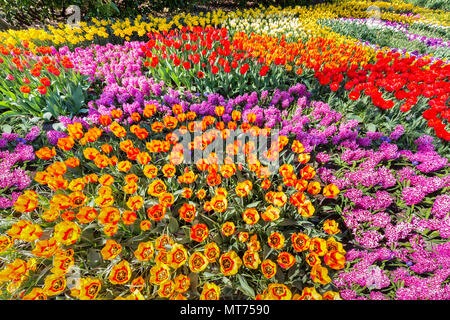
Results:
x,y
45,153
120,273
285,260
268,268
65,143
75,130
330,190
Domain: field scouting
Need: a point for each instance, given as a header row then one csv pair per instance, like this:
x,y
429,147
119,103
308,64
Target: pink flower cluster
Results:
x,y
391,211
12,178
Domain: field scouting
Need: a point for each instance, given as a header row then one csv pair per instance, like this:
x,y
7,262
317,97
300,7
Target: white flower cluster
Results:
x,y
274,25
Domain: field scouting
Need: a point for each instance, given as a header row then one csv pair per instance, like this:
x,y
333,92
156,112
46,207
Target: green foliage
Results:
x,y
429,31
102,9
389,38
432,4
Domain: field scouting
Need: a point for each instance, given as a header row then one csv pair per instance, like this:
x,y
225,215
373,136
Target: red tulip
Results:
x,y
264,71
155,61
334,86
244,68
45,81
186,65
42,89
25,89
354,95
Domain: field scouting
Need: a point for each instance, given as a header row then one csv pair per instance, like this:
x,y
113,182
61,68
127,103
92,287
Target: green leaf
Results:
x,y
434,234
293,273
113,6
9,113
173,225
193,277
4,104
287,222
218,239
253,204
78,99
354,117
305,223
245,288
209,274
52,108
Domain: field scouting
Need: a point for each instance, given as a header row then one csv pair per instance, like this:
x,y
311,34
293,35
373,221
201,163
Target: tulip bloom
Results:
x,y
210,292
230,263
